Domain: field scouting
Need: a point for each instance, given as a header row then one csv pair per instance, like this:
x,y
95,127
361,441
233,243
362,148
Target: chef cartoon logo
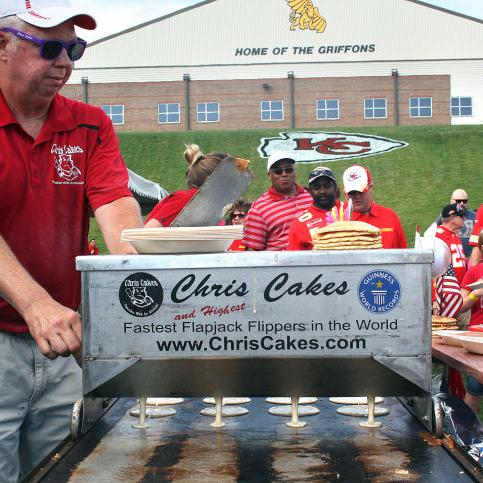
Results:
x,y
379,291
141,294
66,169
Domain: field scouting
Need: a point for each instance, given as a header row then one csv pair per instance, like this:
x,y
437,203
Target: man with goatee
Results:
x,y
326,209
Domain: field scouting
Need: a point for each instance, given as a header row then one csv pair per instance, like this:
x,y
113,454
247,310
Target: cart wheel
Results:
x,y
437,417
76,419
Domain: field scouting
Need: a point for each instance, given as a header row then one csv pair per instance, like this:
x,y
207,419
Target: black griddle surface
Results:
x,y
257,447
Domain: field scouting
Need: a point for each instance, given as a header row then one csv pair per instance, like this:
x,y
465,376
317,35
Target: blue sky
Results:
x,y
129,13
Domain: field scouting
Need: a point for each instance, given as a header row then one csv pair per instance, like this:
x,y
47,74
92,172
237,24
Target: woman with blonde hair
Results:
x,y
200,167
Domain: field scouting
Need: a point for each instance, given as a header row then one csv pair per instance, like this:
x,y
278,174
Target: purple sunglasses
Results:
x,y
51,49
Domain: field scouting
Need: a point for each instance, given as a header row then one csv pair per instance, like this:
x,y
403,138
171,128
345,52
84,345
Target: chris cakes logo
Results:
x,y
141,294
379,291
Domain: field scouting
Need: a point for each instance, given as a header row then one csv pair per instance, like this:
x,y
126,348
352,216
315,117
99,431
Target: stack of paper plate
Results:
x,y
189,239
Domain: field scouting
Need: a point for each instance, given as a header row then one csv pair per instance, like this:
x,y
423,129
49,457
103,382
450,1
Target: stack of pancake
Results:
x,y
443,323
347,235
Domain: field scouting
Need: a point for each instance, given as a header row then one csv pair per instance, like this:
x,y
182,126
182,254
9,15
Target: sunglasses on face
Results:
x,y
279,171
461,201
51,49
237,215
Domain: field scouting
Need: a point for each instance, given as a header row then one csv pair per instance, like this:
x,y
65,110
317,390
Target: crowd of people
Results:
x,y
62,157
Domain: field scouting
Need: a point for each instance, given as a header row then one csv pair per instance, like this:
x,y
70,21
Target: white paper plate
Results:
x,y
449,337
472,344
180,246
185,232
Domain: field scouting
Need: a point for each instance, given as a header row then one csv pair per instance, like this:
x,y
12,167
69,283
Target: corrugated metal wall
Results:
x,y
203,42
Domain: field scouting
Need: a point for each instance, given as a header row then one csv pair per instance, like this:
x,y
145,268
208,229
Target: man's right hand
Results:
x,y
56,329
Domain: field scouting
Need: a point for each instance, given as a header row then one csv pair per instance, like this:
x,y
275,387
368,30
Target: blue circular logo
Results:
x,y
379,291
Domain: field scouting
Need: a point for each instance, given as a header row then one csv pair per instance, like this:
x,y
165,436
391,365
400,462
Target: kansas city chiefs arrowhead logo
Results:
x,y
312,147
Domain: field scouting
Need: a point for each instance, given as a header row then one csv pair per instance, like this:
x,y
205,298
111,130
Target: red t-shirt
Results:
x,y
268,220
93,249
386,219
455,246
237,246
47,185
302,228
477,227
168,208
474,274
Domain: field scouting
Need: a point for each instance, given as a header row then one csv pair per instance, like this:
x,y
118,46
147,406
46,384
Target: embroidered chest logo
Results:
x,y
66,169
65,165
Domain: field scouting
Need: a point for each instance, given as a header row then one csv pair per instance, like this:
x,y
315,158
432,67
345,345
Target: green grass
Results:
x,y
416,181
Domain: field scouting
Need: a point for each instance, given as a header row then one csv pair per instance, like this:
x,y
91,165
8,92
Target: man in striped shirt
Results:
x,y
268,221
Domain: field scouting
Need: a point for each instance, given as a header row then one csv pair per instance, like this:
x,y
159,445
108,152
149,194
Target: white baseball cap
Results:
x,y
277,156
46,13
357,178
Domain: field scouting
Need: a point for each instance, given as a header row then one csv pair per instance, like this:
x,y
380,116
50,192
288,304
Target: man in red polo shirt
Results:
x,y
358,186
269,218
326,209
58,158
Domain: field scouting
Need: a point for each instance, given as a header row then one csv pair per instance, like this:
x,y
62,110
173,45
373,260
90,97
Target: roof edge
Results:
x,y
445,10
206,2
149,22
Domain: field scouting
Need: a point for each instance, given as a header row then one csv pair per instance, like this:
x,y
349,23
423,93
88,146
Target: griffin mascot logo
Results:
x,y
305,16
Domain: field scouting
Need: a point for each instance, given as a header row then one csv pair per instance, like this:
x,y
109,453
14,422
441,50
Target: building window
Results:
x,y
168,113
271,110
461,106
375,108
115,112
208,112
421,107
327,109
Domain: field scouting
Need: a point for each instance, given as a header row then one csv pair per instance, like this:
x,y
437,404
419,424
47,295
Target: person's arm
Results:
x,y
153,223
114,217
475,257
470,298
56,329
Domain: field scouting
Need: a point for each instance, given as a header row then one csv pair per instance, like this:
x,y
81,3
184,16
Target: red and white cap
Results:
x,y
357,178
46,13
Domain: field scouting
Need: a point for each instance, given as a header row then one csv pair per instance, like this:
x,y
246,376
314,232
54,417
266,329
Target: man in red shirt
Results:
x,y
93,249
476,253
268,221
452,219
358,186
58,159
325,210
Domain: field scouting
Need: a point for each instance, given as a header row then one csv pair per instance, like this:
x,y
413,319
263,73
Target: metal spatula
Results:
x,y
229,180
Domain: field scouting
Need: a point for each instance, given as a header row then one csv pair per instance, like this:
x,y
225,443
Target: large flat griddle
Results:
x,y
256,447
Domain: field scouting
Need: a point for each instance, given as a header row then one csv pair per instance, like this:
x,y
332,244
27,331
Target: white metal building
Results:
x,y
271,63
